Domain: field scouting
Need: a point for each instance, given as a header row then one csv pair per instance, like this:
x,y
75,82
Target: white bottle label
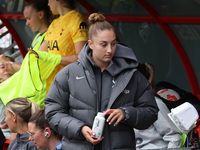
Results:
x,y
98,126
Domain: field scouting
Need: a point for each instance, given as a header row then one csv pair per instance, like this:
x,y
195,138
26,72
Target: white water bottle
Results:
x,y
98,125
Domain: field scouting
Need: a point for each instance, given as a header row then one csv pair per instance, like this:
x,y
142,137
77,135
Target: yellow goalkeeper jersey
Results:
x,y
61,36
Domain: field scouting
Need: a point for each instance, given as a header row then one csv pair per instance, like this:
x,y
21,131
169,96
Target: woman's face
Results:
x,y
37,135
11,121
103,46
3,72
33,18
53,4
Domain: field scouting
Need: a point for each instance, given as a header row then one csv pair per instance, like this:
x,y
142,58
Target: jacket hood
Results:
x,y
123,59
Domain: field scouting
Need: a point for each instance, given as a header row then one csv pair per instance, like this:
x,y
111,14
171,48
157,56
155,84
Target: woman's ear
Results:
x,y
41,14
14,116
47,132
90,44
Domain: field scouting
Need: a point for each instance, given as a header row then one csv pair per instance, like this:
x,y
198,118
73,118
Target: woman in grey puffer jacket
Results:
x,y
104,79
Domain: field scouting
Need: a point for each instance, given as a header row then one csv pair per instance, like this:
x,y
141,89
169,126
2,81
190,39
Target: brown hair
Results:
x,y
147,69
151,75
98,23
39,119
42,5
23,108
70,3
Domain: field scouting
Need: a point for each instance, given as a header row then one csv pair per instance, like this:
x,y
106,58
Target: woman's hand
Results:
x,y
4,126
33,52
3,58
114,115
9,68
87,133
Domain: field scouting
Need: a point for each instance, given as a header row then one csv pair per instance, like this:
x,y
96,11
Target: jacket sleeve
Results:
x,y
57,108
166,127
145,110
2,112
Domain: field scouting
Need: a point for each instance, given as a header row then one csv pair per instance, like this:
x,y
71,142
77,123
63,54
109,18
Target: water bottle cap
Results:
x,y
100,114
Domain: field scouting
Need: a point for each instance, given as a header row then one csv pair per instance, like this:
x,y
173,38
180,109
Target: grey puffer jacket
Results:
x,y
72,102
21,142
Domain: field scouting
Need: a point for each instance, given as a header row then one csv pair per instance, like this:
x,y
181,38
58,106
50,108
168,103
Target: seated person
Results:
x,y
4,74
163,133
174,96
10,66
41,133
18,112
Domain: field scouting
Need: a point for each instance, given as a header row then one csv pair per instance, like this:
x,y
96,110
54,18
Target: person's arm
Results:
x,y
3,58
166,127
87,133
2,115
4,126
65,60
144,111
57,108
16,66
43,46
12,67
114,116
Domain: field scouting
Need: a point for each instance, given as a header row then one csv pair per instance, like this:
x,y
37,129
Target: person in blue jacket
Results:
x,y
104,79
